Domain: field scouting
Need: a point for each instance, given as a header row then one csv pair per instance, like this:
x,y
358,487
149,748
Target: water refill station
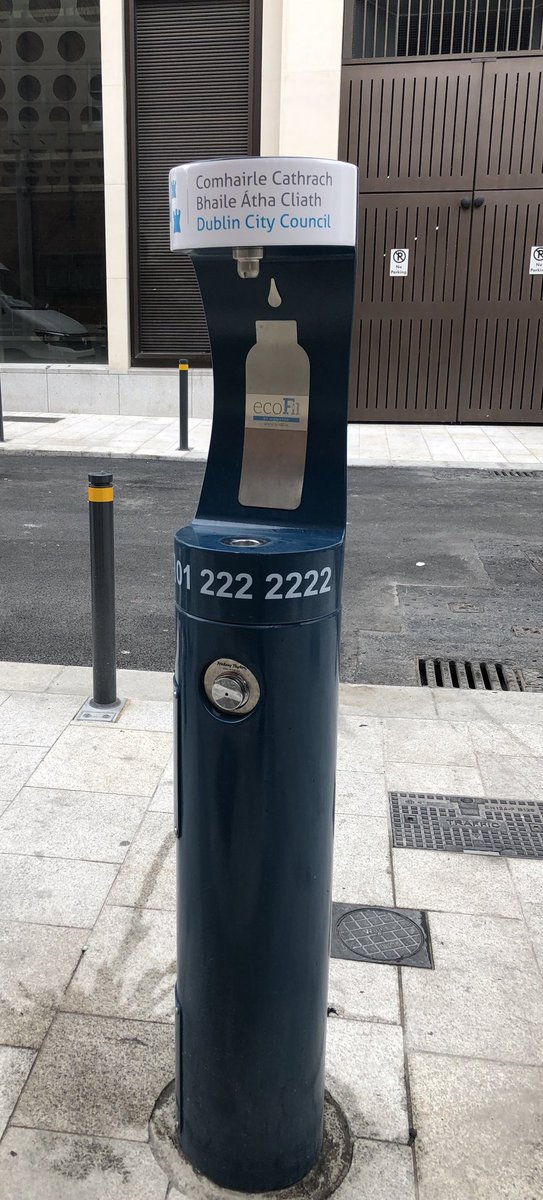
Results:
x,y
258,595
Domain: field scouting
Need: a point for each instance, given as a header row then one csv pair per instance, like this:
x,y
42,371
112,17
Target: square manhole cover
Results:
x,y
467,824
397,936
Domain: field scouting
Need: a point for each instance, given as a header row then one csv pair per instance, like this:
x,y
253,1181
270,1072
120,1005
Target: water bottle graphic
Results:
x,y
277,375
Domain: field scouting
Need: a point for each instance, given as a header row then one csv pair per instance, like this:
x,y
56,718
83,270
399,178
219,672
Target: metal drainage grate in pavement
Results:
x,y
37,419
511,473
461,673
467,824
397,936
475,473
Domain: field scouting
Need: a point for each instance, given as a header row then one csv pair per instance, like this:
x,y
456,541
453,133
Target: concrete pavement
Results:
x,y
440,1073
482,446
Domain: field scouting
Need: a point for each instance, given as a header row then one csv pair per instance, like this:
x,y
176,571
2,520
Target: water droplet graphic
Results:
x,y
274,299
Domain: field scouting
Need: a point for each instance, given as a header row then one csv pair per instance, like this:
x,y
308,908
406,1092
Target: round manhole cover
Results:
x,y
379,935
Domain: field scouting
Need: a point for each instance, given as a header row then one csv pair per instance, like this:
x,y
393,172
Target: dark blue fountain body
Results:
x,y
255,792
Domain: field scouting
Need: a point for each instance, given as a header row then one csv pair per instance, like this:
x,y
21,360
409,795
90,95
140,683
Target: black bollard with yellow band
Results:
x,y
100,497
183,404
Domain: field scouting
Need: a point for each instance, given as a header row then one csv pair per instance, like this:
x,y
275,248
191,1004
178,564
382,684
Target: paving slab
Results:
x,y
363,991
123,761
360,742
137,685
479,1011
365,1069
36,964
527,876
533,915
462,883
362,871
156,716
15,1065
394,702
26,677
484,998
478,1128
361,793
35,719
162,800
480,939
168,772
427,777
508,738
511,778
374,701
415,741
87,825
147,878
53,891
129,966
17,764
38,1165
94,1075
379,1171
517,708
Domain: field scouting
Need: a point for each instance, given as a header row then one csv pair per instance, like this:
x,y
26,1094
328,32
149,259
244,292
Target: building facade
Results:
x,y
436,101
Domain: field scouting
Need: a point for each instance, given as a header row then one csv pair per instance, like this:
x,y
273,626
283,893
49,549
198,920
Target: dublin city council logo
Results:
x,y
176,212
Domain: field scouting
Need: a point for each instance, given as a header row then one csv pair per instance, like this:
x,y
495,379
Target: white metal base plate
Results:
x,y
108,713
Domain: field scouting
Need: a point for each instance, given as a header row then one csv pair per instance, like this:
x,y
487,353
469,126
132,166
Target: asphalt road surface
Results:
x,y
445,563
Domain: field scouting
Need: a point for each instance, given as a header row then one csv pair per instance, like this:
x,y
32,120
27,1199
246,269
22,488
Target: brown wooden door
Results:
x,y
501,378
510,151
408,330
459,337
408,126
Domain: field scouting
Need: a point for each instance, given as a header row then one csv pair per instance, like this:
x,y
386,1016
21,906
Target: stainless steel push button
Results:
x,y
231,687
229,692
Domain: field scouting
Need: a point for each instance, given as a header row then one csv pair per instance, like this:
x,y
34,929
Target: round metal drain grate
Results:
x,y
379,934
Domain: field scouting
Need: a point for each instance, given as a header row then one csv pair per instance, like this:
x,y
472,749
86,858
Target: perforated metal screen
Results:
x,y
192,98
421,28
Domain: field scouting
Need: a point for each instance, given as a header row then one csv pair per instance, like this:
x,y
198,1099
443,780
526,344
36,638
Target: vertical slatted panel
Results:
x,y
407,126
192,98
501,369
408,329
415,132
511,129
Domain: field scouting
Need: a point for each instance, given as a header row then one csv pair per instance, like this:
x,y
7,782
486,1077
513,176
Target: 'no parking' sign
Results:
x,y
536,260
399,261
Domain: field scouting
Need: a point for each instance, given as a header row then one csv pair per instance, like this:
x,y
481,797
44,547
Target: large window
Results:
x,y
52,242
